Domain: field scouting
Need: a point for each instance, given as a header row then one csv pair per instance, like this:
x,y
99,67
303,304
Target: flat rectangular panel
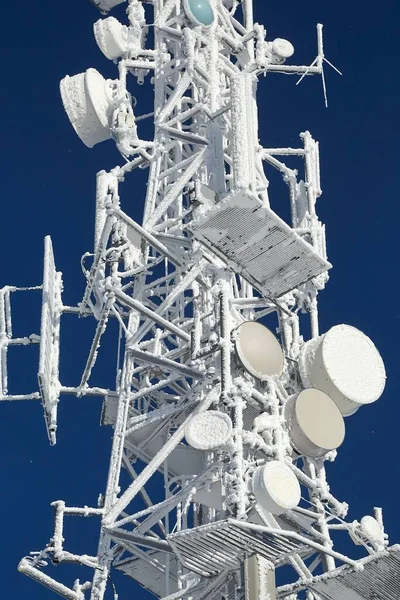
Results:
x,y
252,240
49,340
379,580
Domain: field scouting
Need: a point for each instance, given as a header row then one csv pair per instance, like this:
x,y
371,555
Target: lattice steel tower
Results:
x,y
217,394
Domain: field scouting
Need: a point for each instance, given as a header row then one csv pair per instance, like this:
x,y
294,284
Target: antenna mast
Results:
x,y
217,394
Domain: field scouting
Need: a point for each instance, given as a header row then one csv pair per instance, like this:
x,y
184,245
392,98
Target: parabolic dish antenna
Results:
x,y
111,37
282,48
208,430
316,425
276,487
348,367
258,350
87,102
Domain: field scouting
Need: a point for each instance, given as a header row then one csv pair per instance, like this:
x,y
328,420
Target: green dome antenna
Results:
x,y
199,12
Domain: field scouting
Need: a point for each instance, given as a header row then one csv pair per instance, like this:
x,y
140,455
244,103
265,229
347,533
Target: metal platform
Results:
x,y
211,549
256,243
379,580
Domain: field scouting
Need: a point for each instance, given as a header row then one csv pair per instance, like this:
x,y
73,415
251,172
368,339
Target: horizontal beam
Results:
x,y
140,540
166,363
150,314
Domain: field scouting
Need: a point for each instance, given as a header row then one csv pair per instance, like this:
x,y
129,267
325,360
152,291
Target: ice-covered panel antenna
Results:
x,y
49,340
378,580
255,242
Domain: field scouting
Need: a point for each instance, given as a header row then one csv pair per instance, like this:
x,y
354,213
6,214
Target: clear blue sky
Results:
x,y
48,184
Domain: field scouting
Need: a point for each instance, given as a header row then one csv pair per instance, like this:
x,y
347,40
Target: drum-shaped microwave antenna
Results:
x,y
316,425
282,48
199,12
345,364
87,101
258,350
111,37
208,430
276,487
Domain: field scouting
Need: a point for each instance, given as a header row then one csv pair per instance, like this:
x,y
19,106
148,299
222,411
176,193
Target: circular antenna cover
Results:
x,y
371,529
111,37
258,350
282,48
208,430
276,487
348,367
316,424
199,12
87,105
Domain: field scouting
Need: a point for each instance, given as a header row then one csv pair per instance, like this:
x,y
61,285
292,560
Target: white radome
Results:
x,y
371,529
208,430
276,487
111,37
345,364
282,48
87,102
258,350
316,425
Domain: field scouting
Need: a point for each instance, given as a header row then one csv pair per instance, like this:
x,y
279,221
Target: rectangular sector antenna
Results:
x,y
379,580
49,340
251,239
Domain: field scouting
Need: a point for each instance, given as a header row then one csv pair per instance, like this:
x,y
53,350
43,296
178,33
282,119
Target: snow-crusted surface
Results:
x,y
349,368
208,430
276,487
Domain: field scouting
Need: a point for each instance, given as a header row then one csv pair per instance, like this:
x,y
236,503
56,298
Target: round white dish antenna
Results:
x,y
111,37
258,350
87,101
346,365
316,425
371,529
282,48
276,487
208,430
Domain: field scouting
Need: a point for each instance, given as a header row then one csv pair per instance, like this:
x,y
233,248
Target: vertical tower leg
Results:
x,y
259,579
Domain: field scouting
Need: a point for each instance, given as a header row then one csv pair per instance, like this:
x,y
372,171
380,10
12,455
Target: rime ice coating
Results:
x,y
87,105
348,367
208,430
